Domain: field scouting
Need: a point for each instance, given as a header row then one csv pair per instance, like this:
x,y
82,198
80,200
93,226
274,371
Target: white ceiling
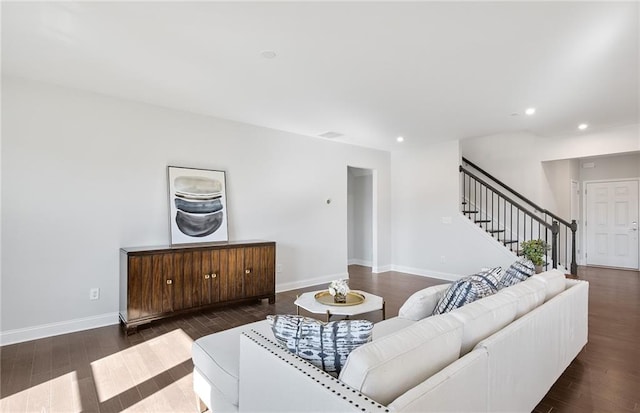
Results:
x,y
429,71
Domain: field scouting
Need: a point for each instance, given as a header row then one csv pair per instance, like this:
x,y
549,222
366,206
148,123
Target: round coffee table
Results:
x,y
371,302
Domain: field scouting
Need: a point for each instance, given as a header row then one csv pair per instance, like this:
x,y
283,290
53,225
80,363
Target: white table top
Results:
x,y
309,303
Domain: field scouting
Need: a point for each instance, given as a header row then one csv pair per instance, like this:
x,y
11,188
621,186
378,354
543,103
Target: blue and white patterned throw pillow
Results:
x,y
325,345
519,271
469,289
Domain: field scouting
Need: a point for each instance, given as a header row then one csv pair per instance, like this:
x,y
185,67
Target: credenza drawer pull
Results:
x,y
169,282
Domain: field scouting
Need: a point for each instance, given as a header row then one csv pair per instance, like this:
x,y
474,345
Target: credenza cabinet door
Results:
x,y
259,270
231,287
214,264
150,284
162,281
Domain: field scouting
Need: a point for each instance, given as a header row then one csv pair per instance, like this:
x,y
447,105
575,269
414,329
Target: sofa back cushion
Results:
x,y
554,280
529,294
422,303
482,318
393,364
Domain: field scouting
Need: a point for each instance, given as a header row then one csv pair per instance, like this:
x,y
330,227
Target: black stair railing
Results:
x,y
512,218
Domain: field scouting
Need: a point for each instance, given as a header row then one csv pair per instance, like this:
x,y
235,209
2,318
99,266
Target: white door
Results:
x,y
612,224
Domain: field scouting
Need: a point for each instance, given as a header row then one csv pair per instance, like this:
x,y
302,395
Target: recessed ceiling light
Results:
x,y
583,126
400,139
530,111
268,54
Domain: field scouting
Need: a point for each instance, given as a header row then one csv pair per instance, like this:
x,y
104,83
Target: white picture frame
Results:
x,y
197,205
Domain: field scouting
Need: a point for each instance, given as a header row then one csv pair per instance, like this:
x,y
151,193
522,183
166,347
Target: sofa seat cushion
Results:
x,y
529,294
469,289
555,282
390,326
422,303
387,367
517,272
325,345
482,318
217,357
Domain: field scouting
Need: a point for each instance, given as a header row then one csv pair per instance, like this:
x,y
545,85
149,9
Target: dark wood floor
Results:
x,y
605,377
104,370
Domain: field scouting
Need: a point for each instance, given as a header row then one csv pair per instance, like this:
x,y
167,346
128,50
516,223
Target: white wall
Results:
x,y
611,167
610,141
360,221
425,193
558,179
511,158
84,174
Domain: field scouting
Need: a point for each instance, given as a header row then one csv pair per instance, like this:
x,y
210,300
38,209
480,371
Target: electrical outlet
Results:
x,y
279,268
94,294
443,258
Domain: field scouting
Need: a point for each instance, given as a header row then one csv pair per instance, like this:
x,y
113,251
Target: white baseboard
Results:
x,y
382,268
20,335
53,329
426,273
294,285
357,261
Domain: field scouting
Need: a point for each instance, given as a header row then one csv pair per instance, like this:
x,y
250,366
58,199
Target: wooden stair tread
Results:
x,y
508,241
494,231
482,220
470,212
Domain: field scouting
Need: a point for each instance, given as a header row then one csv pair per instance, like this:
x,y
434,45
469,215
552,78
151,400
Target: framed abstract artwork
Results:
x,y
197,205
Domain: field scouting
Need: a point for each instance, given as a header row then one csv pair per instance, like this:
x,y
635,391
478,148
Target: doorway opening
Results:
x,y
361,212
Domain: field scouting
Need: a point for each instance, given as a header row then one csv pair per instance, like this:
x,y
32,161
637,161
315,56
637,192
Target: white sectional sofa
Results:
x,y
498,354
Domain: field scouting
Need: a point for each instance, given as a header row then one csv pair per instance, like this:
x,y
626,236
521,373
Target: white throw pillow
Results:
x,y
422,303
390,326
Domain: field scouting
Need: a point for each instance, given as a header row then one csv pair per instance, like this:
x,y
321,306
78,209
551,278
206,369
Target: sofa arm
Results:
x,y
272,379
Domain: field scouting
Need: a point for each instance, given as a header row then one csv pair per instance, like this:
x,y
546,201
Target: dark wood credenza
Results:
x,y
158,282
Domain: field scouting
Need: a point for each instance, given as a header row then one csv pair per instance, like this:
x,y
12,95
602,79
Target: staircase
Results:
x,y
511,219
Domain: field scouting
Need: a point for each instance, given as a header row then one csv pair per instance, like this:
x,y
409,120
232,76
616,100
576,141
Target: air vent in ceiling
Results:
x,y
330,135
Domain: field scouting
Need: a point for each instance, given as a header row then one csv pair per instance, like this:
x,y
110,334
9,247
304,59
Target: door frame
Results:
x,y
578,218
583,254
374,215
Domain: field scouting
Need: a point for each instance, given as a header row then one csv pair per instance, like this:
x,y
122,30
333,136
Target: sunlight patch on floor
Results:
x,y
62,392
140,368
171,399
